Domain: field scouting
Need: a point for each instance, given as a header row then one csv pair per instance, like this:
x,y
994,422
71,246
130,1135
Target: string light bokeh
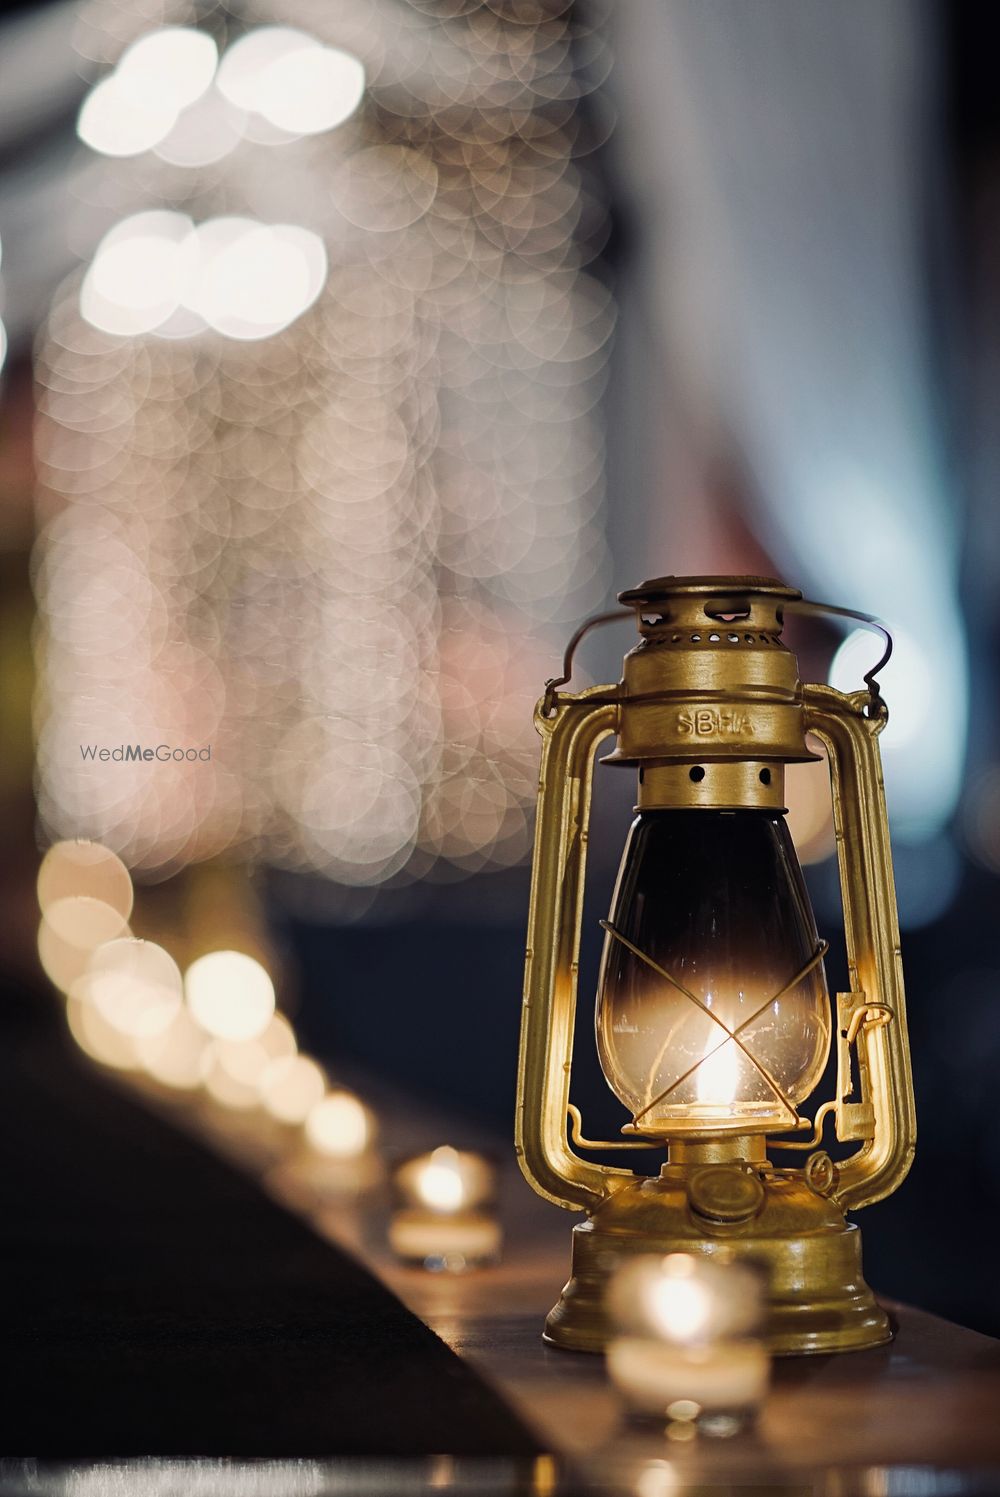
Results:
x,y
211,1038
319,443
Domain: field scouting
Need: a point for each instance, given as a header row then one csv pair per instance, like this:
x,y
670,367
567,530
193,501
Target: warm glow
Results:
x,y
174,63
70,931
134,985
445,1180
399,493
230,995
441,1187
339,1125
718,1075
176,1056
99,1039
84,868
137,106
291,1087
247,1060
157,271
684,1298
291,80
712,936
203,134
250,279
810,810
121,118
139,273
310,89
226,1089
439,1183
678,1305
235,1069
248,60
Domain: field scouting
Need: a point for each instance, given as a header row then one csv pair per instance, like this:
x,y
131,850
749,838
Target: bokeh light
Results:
x,y
70,932
339,1126
72,869
156,272
230,995
134,985
176,1056
292,80
290,1088
326,494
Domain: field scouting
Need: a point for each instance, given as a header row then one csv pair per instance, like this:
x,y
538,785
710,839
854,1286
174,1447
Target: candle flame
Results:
x,y
718,1073
440,1182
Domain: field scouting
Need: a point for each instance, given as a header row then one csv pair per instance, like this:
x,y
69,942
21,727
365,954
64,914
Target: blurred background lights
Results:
x,y
247,61
174,61
71,929
175,1056
98,1038
908,684
923,743
135,986
230,995
245,279
291,1087
81,868
139,273
120,118
292,80
249,280
339,1125
311,90
137,105
327,494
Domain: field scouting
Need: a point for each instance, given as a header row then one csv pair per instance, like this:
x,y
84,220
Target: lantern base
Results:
x,y
819,1301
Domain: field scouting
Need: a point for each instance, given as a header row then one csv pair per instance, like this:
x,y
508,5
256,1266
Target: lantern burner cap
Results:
x,y
701,601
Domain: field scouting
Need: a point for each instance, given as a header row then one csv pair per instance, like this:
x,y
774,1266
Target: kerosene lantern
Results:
x,y
713,1021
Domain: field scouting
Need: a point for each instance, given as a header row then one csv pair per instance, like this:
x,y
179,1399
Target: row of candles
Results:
x,y
688,1351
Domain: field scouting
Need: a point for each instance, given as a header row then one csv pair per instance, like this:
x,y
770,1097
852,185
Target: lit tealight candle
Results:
x,y
687,1350
445,1219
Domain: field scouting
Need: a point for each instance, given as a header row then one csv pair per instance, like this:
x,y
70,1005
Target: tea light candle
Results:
x,y
688,1350
444,1218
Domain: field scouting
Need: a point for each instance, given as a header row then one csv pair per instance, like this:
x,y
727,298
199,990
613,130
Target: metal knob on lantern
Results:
x,y
713,1021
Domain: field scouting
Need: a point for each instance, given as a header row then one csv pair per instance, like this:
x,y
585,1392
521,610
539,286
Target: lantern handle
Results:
x,y
596,621
877,707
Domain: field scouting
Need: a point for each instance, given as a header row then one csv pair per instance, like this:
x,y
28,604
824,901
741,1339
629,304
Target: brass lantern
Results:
x,y
713,1021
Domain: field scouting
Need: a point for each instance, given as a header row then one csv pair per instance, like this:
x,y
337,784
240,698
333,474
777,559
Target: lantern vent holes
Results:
x,y
765,777
715,638
727,615
696,773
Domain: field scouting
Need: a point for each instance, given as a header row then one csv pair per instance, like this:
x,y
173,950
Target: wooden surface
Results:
x,y
921,1415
